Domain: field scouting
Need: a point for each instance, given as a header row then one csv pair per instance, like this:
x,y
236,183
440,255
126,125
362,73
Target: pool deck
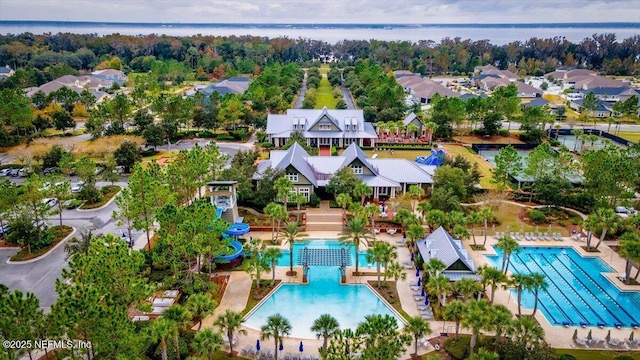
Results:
x,y
558,336
237,294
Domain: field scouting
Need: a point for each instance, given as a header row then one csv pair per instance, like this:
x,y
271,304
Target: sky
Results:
x,y
324,11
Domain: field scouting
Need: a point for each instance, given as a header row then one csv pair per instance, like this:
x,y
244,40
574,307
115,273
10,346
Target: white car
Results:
x,y
4,172
50,202
75,188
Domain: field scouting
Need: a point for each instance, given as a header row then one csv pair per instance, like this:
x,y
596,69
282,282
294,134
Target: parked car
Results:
x,y
24,172
50,202
5,230
75,188
51,170
14,172
119,170
98,170
4,172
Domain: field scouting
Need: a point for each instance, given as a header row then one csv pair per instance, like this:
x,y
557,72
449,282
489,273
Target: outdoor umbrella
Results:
x,y
422,293
412,256
575,334
258,345
426,300
608,337
281,347
417,272
631,337
301,348
589,337
419,281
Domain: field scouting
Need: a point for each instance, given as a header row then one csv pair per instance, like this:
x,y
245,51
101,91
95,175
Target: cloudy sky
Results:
x,y
324,11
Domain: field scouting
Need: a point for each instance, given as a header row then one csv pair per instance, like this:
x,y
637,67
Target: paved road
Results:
x,y
346,94
39,277
303,90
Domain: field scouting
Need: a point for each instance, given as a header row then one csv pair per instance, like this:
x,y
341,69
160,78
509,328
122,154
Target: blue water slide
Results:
x,y
435,159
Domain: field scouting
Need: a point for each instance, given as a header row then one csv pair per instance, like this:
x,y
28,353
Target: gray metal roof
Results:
x,y
409,119
378,181
281,125
459,275
440,245
401,171
353,152
296,156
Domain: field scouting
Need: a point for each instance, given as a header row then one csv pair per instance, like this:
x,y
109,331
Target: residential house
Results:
x,y
442,246
604,110
76,83
116,76
583,79
234,85
413,119
527,91
386,177
611,94
492,70
321,127
422,89
6,72
537,102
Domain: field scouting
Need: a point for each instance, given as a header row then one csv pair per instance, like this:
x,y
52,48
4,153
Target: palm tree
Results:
x,y
207,343
483,354
415,193
508,246
414,233
377,254
476,319
230,322
493,277
362,190
271,255
344,201
466,287
435,219
433,267
275,212
538,282
355,232
200,305
455,218
413,130
527,330
325,326
608,220
277,327
283,186
424,208
520,282
291,233
455,312
578,135
486,215
417,328
161,330
591,224
182,318
460,232
474,219
300,199
430,127
439,286
395,271
500,319
370,211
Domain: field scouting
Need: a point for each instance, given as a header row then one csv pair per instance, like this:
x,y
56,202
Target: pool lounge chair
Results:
x,y
426,316
582,342
287,356
391,231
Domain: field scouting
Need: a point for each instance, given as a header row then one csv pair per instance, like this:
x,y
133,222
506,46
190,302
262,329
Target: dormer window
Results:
x,y
357,169
346,127
293,177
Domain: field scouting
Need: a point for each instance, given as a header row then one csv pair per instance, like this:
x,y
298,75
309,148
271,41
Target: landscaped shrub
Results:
x,y
224,137
148,152
266,145
537,216
314,200
240,134
567,357
503,132
457,349
206,134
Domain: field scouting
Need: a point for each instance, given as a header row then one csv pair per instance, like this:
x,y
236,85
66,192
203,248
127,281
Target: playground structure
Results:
x,y
223,197
435,159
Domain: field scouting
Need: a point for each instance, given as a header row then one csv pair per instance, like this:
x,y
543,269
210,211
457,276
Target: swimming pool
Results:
x,y
321,244
303,303
578,293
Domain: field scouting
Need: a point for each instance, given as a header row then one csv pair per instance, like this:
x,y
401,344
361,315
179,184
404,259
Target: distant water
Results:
x,y
497,33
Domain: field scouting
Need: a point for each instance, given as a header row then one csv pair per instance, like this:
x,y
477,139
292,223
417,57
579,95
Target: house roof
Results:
x,y
5,70
609,90
409,119
468,96
526,88
536,102
281,125
296,156
440,245
318,169
602,105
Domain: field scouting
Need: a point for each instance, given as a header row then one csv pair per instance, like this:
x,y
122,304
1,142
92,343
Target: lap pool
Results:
x,y
578,293
303,303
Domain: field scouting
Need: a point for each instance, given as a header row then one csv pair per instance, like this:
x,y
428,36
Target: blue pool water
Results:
x,y
577,290
302,304
321,244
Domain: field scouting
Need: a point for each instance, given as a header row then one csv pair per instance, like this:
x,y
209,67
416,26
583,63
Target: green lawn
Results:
x,y
324,95
582,354
483,165
631,136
